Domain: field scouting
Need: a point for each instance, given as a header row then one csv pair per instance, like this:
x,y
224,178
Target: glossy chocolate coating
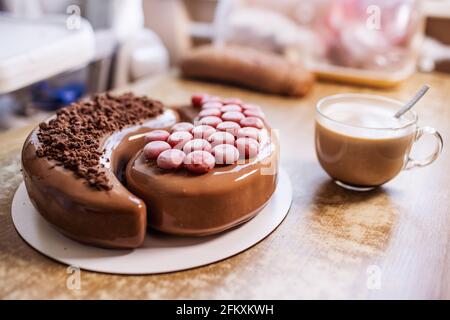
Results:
x,y
114,218
176,202
184,203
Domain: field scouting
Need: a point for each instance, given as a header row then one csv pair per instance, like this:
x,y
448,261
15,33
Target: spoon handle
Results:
x,y
413,101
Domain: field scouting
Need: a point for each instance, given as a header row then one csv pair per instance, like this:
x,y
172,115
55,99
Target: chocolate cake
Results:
x,y
100,170
71,167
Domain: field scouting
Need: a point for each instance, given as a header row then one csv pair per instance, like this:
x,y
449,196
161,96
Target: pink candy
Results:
x,y
199,148
182,126
196,145
199,161
203,132
210,112
170,159
229,126
210,121
225,154
233,116
154,148
231,107
247,147
198,99
221,138
254,113
252,122
248,132
232,101
156,135
250,107
179,138
213,99
212,104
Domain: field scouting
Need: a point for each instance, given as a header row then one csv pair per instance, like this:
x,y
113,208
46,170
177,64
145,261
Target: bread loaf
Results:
x,y
249,68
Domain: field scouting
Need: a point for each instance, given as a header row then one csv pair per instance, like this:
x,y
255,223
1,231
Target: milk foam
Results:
x,y
357,116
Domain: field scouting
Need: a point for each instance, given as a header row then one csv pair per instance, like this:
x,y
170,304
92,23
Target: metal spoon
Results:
x,y
413,101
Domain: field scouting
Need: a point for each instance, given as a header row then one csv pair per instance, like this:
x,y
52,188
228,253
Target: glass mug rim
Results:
x,y
372,97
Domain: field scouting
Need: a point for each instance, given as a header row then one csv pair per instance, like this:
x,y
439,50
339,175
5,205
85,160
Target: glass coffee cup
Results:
x,y
360,143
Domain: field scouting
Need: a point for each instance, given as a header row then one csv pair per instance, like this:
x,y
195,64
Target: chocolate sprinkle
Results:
x,y
72,138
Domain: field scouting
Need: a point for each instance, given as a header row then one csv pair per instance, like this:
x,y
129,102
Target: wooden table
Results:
x,y
390,243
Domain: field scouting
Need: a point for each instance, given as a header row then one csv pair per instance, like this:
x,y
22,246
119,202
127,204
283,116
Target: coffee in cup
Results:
x,y
360,143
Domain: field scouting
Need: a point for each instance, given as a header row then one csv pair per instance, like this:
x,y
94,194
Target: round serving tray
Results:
x,y
160,253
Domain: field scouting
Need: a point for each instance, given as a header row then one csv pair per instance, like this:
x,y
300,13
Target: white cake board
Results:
x,y
160,253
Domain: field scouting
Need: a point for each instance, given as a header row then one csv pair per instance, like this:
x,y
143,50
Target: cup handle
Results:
x,y
413,163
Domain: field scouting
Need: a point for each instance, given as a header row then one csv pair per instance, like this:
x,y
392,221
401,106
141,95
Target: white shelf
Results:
x,y
36,49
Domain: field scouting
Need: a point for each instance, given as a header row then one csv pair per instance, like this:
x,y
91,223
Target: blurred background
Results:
x,y
54,52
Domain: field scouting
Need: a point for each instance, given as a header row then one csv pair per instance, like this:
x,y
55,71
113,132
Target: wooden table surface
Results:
x,y
389,243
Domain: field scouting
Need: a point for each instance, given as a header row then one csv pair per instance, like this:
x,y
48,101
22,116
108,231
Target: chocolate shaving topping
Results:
x,y
72,139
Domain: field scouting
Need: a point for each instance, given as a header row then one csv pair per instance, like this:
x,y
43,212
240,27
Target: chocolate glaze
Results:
x,y
184,203
114,218
176,202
